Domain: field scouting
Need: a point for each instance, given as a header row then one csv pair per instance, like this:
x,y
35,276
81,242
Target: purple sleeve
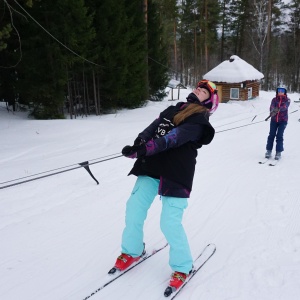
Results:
x,y
272,106
285,105
175,138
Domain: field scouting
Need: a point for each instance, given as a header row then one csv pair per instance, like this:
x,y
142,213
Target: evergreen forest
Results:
x,y
82,57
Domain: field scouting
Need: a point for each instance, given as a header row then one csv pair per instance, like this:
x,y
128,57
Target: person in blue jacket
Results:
x,y
166,154
279,119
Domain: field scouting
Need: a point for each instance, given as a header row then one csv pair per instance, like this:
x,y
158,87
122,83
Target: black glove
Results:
x,y
139,141
134,151
274,111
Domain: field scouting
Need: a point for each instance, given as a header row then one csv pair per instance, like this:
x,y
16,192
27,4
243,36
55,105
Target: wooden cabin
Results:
x,y
235,80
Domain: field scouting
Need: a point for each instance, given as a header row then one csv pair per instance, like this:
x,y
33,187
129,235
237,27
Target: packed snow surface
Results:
x,y
61,234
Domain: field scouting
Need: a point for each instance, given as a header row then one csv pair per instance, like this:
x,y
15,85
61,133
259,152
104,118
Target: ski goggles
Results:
x,y
210,85
281,90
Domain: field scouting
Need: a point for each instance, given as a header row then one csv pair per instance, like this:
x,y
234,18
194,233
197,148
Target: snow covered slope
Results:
x,y
61,234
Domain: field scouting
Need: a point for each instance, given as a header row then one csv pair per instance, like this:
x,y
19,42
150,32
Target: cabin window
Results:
x,y
234,93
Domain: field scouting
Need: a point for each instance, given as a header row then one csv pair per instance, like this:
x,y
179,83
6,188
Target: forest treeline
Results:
x,y
89,57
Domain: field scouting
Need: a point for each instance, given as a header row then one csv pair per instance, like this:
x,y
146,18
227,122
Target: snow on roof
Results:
x,y
232,71
175,84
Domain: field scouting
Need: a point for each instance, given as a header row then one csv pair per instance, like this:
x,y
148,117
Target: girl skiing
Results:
x,y
166,154
279,117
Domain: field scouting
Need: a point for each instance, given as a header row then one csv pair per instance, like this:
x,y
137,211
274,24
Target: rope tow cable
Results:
x,y
84,164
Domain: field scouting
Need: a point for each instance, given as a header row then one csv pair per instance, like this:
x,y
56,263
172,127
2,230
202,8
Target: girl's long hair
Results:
x,y
188,110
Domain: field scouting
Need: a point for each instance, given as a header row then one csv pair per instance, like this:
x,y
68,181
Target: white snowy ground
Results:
x,y
61,234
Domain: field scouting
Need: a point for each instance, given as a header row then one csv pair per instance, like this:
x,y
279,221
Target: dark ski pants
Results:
x,y
276,130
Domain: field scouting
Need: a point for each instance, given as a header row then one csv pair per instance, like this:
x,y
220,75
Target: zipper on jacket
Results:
x,y
277,117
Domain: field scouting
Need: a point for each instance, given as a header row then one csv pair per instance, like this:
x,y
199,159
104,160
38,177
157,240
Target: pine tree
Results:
x,y
158,70
225,18
112,39
6,21
198,39
11,55
292,57
239,12
137,79
42,72
120,45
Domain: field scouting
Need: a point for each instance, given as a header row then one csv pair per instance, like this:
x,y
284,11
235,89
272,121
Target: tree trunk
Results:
x,y
222,31
206,37
145,12
87,96
175,49
268,46
95,94
98,95
70,100
83,93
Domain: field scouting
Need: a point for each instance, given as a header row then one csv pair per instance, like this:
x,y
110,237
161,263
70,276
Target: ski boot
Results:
x,y
268,154
124,261
176,281
277,155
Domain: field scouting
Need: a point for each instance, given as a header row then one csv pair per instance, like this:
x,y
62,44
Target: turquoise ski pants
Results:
x,y
140,200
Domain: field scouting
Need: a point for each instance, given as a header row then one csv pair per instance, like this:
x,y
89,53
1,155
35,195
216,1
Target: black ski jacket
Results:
x,y
172,150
